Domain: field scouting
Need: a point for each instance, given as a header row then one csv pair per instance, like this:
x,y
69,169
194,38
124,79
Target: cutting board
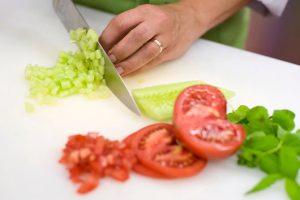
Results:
x,y
31,143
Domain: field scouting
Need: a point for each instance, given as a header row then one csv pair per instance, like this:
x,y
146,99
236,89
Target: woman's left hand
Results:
x,y
148,35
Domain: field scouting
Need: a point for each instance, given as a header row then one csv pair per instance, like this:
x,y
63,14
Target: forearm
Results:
x,y
210,13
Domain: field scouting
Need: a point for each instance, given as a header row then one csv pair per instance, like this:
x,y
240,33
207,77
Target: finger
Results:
x,y
133,41
118,27
143,56
156,61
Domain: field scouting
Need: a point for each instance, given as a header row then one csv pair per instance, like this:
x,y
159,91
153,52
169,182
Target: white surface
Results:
x,y
30,144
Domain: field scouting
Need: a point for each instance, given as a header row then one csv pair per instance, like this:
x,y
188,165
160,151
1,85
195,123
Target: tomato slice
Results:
x,y
202,101
211,139
157,149
90,157
139,167
143,170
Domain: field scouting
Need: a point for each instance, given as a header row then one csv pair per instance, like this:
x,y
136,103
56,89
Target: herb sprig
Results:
x,y
271,145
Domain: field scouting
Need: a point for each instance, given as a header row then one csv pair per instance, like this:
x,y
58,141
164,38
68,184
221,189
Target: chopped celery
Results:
x,y
74,72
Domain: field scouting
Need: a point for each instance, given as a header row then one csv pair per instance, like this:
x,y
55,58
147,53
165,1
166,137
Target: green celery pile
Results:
x,y
74,72
272,145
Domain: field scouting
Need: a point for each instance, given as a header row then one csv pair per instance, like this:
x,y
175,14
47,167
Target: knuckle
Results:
x,y
147,7
119,22
142,33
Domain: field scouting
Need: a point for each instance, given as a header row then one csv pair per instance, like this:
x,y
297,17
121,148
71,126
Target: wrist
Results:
x,y
210,13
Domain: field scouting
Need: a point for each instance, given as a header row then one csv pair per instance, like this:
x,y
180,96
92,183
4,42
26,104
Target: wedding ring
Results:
x,y
159,44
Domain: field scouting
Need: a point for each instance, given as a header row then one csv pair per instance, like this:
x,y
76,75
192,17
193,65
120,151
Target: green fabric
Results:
x,y
232,32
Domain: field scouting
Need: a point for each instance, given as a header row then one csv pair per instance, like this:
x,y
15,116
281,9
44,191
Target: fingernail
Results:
x,y
120,70
112,58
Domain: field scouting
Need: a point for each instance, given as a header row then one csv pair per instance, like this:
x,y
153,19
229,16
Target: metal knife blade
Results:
x,y
72,19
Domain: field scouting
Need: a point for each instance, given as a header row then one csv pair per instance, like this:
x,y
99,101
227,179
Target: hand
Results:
x,y
129,37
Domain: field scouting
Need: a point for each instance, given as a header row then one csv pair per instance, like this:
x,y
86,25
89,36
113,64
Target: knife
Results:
x,y
72,19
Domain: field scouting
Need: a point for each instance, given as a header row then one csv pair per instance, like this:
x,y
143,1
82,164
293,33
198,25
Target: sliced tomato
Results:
x,y
91,157
211,139
143,170
157,149
201,101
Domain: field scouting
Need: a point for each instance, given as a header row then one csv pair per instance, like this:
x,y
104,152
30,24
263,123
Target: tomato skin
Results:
x,y
209,149
157,149
201,101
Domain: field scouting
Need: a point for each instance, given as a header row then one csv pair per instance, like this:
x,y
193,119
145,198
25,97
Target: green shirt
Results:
x,y
232,32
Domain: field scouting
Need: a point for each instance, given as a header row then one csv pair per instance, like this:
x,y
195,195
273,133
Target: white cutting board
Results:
x,y
30,144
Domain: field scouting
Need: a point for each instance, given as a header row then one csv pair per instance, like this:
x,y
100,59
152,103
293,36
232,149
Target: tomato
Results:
x,y
211,139
201,101
157,149
143,170
91,157
139,167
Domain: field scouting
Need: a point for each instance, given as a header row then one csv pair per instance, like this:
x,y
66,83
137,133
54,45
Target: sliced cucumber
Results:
x,y
157,102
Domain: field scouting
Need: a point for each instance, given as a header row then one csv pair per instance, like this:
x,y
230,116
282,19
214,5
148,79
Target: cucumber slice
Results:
x,y
157,102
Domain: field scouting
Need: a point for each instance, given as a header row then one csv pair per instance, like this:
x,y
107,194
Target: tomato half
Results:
x,y
157,149
211,139
202,101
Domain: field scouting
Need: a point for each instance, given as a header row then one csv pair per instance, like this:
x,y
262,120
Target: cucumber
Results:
x,y
157,102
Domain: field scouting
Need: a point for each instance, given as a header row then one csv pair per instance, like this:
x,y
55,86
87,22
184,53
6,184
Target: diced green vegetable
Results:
x,y
74,72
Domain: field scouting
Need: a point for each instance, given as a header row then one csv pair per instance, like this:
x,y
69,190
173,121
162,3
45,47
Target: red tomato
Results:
x,y
202,101
200,122
90,157
143,170
211,139
139,167
157,149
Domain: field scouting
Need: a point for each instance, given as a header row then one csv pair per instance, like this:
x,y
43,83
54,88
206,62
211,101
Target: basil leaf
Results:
x,y
262,143
265,183
293,141
247,158
285,118
281,132
293,189
288,162
239,114
268,127
256,134
258,114
269,164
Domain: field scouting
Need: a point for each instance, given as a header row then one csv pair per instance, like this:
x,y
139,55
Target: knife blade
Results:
x,y
72,19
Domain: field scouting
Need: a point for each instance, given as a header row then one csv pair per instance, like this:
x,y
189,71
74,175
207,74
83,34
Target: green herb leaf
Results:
x,y
239,114
262,143
293,141
258,114
285,118
293,189
247,158
288,162
269,164
256,134
265,183
281,132
268,127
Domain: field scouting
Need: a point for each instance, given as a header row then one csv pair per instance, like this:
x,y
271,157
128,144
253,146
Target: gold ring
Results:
x,y
159,44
